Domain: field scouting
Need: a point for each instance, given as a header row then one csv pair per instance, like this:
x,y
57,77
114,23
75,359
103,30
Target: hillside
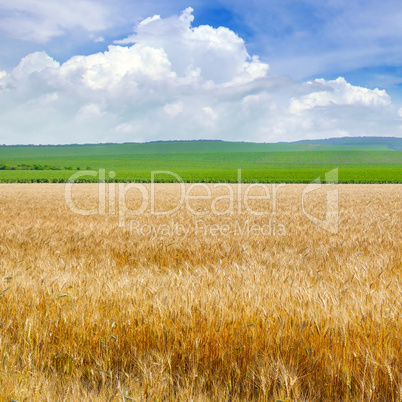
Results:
x,y
202,146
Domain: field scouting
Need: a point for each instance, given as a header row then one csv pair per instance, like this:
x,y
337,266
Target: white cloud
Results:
x,y
99,39
41,20
89,111
210,113
147,21
179,82
174,109
106,70
217,54
131,128
45,100
3,76
34,63
337,92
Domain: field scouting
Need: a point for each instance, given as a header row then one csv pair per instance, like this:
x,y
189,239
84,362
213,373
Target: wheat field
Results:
x,y
222,306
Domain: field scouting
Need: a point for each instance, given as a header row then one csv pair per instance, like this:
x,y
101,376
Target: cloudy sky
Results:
x,y
86,71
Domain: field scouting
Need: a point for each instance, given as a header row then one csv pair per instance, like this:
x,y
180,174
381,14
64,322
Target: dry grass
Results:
x,y
92,312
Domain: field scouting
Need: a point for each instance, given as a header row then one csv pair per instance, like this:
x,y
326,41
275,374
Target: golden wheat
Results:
x,y
93,311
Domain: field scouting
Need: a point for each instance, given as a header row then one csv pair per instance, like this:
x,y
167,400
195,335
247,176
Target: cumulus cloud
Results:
x,y
216,54
33,63
337,92
103,71
170,80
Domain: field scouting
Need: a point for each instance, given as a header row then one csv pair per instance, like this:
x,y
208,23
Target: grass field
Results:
x,y
93,311
290,174
206,161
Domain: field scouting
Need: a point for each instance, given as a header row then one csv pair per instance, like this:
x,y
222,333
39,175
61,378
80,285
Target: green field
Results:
x,y
207,161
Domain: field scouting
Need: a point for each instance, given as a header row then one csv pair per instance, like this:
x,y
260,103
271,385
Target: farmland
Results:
x,y
238,307
204,161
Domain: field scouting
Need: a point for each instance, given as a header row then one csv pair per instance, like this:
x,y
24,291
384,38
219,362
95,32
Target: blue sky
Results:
x,y
282,70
